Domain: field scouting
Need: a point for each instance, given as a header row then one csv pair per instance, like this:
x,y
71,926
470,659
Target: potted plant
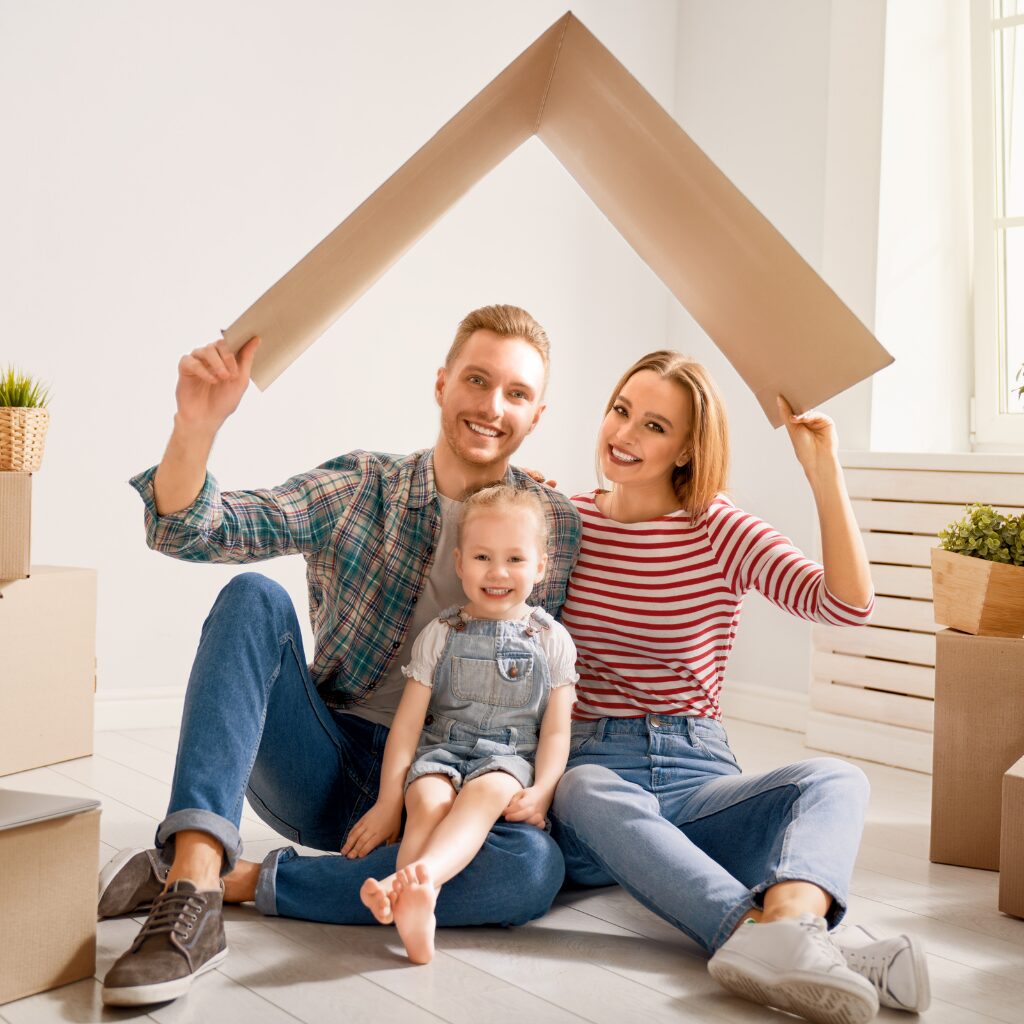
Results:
x,y
24,420
978,574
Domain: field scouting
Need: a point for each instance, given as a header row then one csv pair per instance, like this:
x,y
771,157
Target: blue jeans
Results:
x,y
658,805
254,726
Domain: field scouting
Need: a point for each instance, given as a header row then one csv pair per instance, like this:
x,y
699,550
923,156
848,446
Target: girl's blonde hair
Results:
x,y
707,470
502,497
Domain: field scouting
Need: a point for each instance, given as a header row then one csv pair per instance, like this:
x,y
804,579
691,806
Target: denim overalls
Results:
x,y
488,695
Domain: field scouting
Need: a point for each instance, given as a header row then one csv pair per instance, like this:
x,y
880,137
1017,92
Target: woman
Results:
x,y
753,868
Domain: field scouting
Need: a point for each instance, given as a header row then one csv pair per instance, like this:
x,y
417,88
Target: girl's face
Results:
x,y
646,433
500,560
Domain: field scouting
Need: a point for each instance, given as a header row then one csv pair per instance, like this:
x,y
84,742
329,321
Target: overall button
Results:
x,y
429,720
513,671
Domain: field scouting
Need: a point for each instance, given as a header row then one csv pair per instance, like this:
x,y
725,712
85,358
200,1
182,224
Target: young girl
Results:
x,y
753,868
490,686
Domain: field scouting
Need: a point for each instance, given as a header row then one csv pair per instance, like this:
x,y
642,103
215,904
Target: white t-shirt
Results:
x,y
442,590
555,642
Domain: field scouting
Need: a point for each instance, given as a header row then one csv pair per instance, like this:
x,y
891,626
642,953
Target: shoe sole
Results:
x,y
109,873
834,1002
161,992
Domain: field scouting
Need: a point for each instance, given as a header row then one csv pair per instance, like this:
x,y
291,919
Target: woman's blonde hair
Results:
x,y
706,472
502,497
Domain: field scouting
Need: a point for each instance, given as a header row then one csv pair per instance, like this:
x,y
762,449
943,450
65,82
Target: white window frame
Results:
x,y
990,425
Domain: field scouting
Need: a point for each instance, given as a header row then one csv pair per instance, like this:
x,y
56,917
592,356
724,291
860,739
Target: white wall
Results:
x,y
925,314
171,162
786,99
166,163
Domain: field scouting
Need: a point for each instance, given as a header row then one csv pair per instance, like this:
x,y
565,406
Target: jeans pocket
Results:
x,y
709,738
507,682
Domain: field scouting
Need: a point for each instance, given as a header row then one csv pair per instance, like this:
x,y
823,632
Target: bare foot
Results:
x,y
378,900
414,912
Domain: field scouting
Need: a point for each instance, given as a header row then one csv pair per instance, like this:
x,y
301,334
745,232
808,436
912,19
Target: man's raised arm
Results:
x,y
211,382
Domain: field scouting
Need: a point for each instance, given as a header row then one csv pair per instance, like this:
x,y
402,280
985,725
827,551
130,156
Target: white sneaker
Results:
x,y
897,967
794,966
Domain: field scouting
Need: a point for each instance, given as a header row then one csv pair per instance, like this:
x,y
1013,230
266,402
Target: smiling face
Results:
x,y
645,434
490,399
500,559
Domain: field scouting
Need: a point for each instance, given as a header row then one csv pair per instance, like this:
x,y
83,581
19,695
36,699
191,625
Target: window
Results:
x,y
997,41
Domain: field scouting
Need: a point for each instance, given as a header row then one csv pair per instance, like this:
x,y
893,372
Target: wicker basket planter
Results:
x,y
977,596
22,437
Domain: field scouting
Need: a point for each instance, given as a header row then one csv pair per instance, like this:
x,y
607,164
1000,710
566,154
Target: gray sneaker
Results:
x,y
130,882
182,938
897,967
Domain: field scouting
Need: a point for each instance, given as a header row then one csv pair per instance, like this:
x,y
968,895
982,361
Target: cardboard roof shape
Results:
x,y
782,328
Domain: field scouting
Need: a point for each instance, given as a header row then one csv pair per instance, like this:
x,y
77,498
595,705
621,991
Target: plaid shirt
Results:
x,y
367,525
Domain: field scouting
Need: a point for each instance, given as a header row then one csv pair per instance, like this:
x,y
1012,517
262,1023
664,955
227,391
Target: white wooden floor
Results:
x,y
596,956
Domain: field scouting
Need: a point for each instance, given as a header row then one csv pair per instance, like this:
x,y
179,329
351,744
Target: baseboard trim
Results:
x,y
156,707
765,705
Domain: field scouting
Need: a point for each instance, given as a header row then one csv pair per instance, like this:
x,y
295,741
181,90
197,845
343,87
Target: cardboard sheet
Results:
x,y
783,329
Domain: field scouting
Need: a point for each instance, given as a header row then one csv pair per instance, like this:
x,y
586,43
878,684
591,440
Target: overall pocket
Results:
x,y
503,682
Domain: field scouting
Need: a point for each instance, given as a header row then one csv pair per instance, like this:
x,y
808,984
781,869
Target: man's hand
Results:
x,y
379,825
529,806
211,382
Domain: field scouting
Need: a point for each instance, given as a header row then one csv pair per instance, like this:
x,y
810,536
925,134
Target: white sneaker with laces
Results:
x,y
897,967
793,965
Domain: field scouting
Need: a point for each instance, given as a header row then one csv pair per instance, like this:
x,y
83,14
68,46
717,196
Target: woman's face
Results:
x,y
646,432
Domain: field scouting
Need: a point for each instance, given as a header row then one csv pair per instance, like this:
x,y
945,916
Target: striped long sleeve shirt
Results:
x,y
653,606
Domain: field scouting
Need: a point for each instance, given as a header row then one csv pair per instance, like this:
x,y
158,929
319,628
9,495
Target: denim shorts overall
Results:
x,y
488,695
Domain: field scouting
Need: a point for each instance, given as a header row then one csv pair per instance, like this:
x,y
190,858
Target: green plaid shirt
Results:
x,y
367,524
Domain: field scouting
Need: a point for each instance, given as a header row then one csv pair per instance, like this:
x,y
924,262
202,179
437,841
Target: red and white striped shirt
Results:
x,y
653,607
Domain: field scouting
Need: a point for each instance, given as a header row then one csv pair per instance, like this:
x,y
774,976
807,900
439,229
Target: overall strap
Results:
x,y
539,619
452,617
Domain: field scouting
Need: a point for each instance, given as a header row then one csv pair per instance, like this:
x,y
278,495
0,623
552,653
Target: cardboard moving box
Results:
x,y
48,679
979,734
1011,843
15,525
48,854
778,323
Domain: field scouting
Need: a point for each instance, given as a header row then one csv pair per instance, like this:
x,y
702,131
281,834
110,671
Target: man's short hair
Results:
x,y
506,322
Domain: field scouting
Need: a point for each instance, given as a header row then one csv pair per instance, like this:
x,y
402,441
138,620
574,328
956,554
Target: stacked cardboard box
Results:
x,y
15,525
979,735
47,891
1011,843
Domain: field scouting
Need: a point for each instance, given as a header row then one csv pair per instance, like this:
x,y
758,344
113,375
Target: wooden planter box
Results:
x,y
977,596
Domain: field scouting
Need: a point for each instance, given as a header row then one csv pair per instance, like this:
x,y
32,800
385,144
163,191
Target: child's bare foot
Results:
x,y
414,912
379,899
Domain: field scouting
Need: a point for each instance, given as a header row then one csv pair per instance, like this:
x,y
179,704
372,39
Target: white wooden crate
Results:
x,y
872,687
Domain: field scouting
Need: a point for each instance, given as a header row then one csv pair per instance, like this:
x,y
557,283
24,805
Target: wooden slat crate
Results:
x,y
872,687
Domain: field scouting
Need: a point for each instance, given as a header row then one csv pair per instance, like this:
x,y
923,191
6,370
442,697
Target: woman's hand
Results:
x,y
536,474
814,439
379,825
529,806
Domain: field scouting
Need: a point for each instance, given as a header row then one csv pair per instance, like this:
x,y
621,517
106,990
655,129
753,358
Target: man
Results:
x,y
305,744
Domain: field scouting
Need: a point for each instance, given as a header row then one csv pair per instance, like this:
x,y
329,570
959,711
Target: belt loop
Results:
x,y
690,733
599,732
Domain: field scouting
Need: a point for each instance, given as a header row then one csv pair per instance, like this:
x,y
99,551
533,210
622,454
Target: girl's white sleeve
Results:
x,y
426,650
561,655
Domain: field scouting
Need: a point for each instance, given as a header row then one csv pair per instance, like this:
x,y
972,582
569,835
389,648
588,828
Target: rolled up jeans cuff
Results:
x,y
266,884
198,820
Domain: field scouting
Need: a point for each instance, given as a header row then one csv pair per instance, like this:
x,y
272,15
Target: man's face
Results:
x,y
490,397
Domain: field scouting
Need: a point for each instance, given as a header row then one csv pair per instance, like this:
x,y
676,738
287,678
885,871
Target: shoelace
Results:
x,y
875,969
173,912
818,932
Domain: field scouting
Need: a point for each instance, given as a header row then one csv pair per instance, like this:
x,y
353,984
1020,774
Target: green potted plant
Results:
x,y
24,420
978,573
